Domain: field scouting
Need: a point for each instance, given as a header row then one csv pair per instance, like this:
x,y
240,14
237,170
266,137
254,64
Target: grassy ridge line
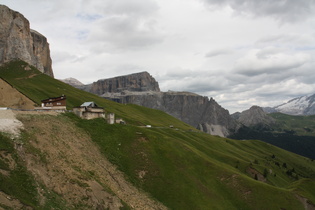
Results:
x,y
38,86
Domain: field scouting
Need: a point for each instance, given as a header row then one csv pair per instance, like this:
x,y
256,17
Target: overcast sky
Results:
x,y
240,52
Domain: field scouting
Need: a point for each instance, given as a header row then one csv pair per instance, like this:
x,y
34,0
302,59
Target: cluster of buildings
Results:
x,y
87,110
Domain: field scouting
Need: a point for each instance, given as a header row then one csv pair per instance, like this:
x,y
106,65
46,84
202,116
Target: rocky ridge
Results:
x,y
137,82
253,117
18,41
142,89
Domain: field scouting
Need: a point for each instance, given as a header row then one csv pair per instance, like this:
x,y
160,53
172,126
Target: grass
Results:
x,y
292,133
299,125
38,86
189,170
20,184
181,168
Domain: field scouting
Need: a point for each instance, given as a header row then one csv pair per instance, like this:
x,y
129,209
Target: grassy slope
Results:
x,y
292,133
301,125
182,169
188,170
38,86
19,183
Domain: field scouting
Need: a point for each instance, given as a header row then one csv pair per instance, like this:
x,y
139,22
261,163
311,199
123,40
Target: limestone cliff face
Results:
x,y
255,116
142,81
18,41
142,89
199,111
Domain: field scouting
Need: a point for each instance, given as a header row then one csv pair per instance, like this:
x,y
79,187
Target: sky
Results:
x,y
240,52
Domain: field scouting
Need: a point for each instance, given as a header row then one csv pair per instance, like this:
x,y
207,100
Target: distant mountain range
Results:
x,y
142,89
304,105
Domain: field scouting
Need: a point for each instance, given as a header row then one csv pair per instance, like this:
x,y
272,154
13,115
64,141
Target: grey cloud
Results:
x,y
122,33
131,7
282,10
177,73
121,7
269,61
125,25
61,56
217,52
197,82
297,41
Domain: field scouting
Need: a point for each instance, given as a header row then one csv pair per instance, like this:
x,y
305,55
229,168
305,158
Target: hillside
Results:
x,y
292,133
38,86
300,125
61,161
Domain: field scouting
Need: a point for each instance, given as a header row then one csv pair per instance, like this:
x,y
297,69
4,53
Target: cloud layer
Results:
x,y
241,52
281,10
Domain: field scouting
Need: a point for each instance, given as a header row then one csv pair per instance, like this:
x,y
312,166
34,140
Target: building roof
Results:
x,y
89,104
59,98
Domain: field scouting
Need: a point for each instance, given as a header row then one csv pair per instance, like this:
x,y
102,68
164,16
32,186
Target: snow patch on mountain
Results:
x,y
304,105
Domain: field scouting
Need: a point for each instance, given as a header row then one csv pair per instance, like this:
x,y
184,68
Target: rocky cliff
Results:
x,y
142,89
199,111
18,41
138,82
254,116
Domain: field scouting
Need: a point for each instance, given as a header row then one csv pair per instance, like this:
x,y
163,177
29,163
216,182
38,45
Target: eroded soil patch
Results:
x,y
67,162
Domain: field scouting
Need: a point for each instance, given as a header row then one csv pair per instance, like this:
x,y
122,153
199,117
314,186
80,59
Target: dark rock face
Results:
x,y
138,82
142,89
18,41
41,52
255,116
201,112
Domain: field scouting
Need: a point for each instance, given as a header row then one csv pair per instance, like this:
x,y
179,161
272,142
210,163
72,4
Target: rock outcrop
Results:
x,y
18,41
138,82
142,89
199,111
254,116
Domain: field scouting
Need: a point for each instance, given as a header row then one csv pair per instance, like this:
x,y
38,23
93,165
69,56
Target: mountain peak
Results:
x,y
254,116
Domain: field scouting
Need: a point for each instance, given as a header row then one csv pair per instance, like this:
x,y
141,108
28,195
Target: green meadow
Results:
x,y
180,166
